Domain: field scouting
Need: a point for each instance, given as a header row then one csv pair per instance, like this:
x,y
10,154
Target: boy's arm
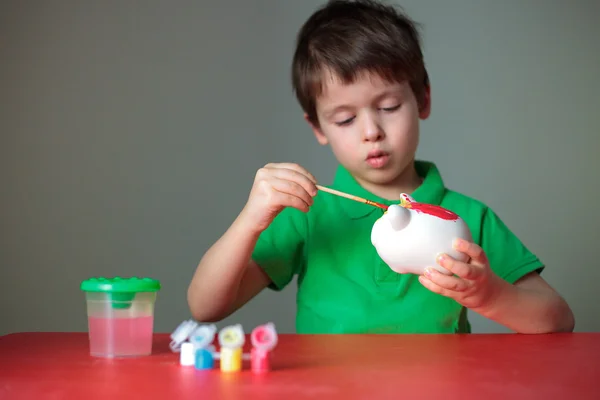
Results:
x,y
511,292
226,277
530,305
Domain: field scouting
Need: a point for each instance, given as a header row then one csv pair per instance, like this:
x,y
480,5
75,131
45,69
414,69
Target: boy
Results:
x,y
359,76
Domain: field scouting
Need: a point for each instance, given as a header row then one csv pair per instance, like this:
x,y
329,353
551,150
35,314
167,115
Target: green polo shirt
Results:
x,y
345,287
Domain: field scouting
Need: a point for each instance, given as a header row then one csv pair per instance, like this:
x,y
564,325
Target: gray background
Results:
x,y
131,132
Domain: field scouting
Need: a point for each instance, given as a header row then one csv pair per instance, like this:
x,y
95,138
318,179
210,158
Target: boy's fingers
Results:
x,y
297,177
291,188
471,249
294,167
289,200
463,270
451,283
435,288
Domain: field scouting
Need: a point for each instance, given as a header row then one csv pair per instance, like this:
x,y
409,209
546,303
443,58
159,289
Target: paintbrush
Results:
x,y
352,197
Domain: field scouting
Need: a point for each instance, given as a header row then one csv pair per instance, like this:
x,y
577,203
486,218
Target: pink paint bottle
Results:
x,y
264,339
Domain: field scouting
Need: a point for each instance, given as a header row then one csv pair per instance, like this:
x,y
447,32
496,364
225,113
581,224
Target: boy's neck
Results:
x,y
406,182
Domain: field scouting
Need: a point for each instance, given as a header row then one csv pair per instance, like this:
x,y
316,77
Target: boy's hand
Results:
x,y
474,284
275,187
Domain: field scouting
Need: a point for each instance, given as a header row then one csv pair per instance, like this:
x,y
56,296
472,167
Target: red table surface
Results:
x,y
478,366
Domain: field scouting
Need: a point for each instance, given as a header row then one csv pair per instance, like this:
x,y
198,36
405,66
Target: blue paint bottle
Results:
x,y
204,359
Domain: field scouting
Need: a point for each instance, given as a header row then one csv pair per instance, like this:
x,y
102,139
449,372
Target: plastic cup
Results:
x,y
120,314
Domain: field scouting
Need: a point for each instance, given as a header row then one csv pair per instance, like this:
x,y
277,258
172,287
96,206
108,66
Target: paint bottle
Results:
x,y
202,338
231,340
264,339
204,359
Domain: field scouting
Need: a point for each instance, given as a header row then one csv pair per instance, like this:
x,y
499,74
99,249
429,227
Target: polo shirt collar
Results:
x,y
431,190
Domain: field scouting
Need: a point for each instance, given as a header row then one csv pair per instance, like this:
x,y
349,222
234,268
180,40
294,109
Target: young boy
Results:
x,y
359,76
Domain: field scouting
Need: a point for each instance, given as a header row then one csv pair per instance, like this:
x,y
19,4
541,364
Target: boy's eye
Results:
x,y
394,108
349,120
344,122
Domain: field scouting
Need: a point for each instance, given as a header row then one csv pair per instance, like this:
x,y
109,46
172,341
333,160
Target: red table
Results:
x,y
478,366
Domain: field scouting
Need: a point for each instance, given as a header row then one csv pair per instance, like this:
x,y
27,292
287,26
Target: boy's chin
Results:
x,y
380,177
384,178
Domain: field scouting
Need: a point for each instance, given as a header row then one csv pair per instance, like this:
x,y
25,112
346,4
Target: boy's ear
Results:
x,y
425,109
321,138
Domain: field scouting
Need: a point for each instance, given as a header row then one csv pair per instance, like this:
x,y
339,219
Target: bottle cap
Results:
x,y
264,337
203,336
181,334
120,291
232,336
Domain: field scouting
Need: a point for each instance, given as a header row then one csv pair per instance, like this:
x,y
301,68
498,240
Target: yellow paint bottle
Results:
x,y
231,359
231,340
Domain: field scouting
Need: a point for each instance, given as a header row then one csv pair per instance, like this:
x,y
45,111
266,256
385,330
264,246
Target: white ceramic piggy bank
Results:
x,y
409,236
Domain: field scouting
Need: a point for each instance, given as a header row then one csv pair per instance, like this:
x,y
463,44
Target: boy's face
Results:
x,y
372,127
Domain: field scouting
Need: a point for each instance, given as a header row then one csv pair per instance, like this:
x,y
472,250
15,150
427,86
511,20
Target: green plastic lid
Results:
x,y
120,285
120,290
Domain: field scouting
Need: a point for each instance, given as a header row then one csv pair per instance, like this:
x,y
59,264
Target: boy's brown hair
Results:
x,y
348,38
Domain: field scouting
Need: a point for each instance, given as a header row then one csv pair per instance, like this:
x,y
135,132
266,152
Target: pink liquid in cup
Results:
x,y
120,337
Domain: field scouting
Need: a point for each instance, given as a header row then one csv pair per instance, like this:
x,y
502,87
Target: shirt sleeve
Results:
x,y
280,249
508,256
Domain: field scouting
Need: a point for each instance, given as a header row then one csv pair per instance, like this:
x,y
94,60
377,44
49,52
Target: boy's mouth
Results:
x,y
377,158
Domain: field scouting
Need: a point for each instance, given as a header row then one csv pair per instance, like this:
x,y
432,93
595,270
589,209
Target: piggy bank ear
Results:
x,y
406,199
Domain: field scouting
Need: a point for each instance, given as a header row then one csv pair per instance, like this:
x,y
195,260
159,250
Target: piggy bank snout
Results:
x,y
398,217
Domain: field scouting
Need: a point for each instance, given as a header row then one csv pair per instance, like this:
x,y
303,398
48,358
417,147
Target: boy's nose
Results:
x,y
372,131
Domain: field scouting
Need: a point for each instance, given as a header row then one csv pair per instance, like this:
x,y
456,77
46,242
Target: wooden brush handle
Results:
x,y
351,197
